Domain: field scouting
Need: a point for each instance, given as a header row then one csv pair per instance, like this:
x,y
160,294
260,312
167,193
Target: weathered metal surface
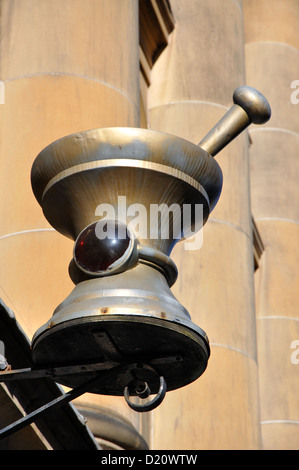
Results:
x,y
129,316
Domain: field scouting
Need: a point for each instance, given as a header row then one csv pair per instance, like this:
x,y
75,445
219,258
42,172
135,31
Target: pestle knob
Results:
x,y
250,106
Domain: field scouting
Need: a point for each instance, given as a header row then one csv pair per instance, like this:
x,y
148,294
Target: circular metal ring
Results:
x,y
151,405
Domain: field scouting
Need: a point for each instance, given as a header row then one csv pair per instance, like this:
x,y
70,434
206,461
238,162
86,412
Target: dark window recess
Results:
x,y
156,22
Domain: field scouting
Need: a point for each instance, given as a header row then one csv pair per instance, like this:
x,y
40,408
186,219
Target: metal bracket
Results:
x,y
103,373
62,400
9,374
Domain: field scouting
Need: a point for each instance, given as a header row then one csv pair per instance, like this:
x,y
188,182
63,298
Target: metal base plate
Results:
x,y
147,347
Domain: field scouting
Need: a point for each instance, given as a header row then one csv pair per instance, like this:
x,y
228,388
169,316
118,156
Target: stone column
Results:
x,y
272,65
192,86
67,66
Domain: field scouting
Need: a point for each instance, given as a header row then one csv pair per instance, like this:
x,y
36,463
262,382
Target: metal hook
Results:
x,y
145,393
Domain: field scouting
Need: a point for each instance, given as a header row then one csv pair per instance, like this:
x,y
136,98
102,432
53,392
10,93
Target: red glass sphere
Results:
x,y
102,246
